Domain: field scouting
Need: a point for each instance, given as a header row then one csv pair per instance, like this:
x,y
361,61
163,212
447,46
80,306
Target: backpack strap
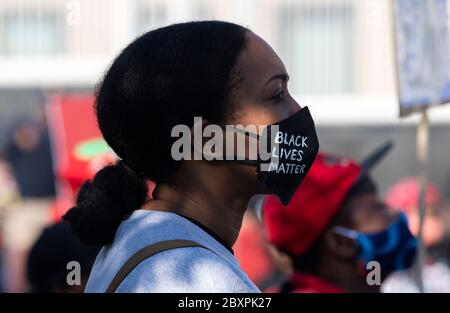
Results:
x,y
144,254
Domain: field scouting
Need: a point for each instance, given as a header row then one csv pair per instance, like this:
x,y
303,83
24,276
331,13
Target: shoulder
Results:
x,y
193,269
177,270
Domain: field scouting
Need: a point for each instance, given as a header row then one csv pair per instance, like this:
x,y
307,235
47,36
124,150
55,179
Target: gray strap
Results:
x,y
145,253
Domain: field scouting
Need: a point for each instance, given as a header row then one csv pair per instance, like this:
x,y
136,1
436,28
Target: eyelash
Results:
x,y
279,97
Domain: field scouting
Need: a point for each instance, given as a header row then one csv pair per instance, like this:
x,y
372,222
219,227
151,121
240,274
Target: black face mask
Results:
x,y
293,149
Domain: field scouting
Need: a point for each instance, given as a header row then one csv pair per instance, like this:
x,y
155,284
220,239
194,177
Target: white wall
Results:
x,y
96,30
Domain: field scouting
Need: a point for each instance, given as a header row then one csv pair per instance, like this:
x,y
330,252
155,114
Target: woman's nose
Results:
x,y
294,107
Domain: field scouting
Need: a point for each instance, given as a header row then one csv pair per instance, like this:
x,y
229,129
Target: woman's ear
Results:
x,y
340,246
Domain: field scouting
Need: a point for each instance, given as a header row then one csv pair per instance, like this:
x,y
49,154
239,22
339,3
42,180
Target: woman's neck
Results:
x,y
222,216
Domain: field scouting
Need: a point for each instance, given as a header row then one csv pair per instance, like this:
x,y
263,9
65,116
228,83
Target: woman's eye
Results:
x,y
278,97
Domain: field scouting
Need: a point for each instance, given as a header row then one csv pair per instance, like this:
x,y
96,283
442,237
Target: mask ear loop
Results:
x,y
238,130
258,161
242,131
248,134
366,248
349,233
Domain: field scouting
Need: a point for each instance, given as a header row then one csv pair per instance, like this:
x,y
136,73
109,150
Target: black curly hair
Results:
x,y
162,79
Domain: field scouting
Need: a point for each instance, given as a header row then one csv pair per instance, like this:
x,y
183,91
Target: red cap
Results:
x,y
295,227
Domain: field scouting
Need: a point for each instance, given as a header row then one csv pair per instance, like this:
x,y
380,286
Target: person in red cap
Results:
x,y
335,225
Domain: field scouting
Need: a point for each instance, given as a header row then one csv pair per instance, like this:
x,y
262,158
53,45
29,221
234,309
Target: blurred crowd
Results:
x,y
308,246
35,247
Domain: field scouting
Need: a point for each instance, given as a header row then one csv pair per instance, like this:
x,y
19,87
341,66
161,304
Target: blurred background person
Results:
x,y
47,261
253,253
335,225
445,214
260,260
8,194
28,154
8,187
404,194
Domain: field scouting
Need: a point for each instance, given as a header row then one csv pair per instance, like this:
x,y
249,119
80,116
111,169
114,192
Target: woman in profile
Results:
x,y
181,239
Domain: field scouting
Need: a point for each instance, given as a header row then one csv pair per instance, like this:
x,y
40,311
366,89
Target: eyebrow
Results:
x,y
283,76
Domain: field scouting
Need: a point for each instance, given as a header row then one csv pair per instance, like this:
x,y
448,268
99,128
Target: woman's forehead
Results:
x,y
259,61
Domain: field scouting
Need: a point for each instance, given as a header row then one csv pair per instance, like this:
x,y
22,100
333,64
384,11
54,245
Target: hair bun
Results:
x,y
104,203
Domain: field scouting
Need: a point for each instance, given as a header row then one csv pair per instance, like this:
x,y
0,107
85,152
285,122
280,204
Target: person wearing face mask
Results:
x,y
436,271
181,239
335,225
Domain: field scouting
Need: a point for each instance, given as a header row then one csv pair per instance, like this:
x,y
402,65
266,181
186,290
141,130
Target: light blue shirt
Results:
x,y
192,269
